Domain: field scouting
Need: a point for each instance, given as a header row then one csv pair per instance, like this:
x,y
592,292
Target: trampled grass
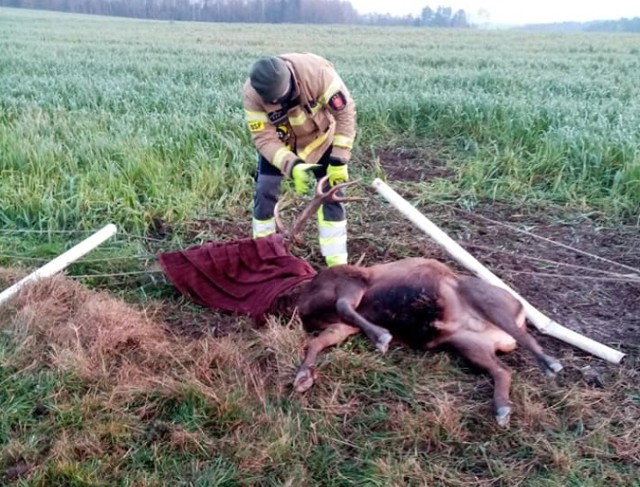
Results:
x,y
127,121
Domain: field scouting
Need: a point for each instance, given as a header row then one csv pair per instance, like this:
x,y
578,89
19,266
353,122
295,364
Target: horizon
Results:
x,y
508,13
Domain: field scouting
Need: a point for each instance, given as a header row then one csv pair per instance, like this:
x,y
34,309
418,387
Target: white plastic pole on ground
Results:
x,y
62,261
543,323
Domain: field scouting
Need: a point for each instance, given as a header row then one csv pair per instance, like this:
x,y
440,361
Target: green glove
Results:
x,y
302,177
337,171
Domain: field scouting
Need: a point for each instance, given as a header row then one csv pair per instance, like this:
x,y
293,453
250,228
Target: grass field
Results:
x,y
135,123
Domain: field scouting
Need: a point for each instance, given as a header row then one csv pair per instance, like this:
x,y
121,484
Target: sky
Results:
x,y
512,11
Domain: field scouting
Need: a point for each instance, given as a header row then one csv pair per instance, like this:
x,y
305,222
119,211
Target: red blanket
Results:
x,y
244,276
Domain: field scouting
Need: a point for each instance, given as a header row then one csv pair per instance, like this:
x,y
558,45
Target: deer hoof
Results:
x,y
304,380
382,344
551,367
555,366
503,415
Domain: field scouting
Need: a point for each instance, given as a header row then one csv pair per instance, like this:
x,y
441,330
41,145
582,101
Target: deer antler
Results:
x,y
321,197
280,227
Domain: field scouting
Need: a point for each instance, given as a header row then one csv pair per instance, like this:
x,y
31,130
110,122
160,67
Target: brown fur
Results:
x,y
420,301
423,303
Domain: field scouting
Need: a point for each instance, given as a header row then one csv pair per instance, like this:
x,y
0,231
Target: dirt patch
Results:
x,y
412,165
196,231
218,229
585,294
591,296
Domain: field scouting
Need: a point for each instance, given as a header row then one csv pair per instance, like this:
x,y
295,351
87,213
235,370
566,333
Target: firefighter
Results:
x,y
303,122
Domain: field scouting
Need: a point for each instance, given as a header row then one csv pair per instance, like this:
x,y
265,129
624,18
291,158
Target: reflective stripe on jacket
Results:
x,y
323,114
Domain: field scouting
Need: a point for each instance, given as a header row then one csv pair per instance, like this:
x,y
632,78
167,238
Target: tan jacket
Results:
x,y
323,114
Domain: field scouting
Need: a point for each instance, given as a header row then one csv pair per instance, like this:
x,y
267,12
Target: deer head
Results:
x,y
322,196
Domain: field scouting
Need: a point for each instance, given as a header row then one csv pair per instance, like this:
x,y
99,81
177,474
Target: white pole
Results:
x,y
543,323
62,261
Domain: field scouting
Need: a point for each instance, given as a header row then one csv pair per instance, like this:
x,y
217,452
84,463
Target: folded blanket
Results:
x,y
244,276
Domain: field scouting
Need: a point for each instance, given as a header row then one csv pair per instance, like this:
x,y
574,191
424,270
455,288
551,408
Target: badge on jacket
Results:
x,y
277,116
338,101
283,132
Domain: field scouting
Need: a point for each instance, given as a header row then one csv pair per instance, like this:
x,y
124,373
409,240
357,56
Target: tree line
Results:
x,y
622,25
260,11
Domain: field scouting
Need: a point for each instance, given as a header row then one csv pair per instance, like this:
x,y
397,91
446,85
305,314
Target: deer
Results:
x,y
418,301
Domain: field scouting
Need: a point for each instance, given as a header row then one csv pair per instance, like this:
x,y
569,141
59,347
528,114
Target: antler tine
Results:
x,y
280,227
332,193
321,197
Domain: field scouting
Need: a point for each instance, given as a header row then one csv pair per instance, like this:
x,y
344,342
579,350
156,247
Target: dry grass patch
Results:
x,y
97,390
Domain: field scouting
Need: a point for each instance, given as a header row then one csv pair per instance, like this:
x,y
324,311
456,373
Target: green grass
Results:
x,y
221,412
122,120
125,121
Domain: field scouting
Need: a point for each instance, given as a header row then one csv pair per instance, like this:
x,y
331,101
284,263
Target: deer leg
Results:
x,y
332,335
377,334
549,365
482,354
490,301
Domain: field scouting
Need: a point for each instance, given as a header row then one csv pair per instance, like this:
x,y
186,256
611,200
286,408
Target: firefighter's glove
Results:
x,y
338,172
302,176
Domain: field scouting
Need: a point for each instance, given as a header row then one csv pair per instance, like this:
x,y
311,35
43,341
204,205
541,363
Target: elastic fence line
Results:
x,y
30,230
545,239
542,274
78,232
547,261
454,208
84,261
71,232
629,280
116,274
615,276
542,322
62,261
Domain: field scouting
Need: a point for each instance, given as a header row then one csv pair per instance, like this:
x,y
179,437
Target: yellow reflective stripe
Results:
x,y
332,239
313,146
278,157
266,233
298,120
334,87
315,108
340,240
343,141
256,116
333,248
263,228
339,259
329,224
327,232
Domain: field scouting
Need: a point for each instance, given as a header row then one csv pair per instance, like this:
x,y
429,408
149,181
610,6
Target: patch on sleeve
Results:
x,y
256,126
338,101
